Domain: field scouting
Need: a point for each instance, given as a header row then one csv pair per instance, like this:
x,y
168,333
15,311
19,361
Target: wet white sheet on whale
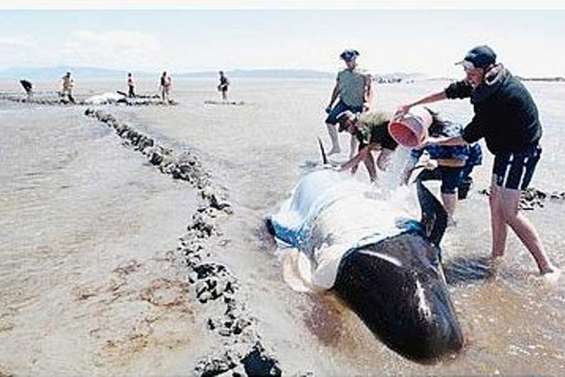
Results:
x,y
328,214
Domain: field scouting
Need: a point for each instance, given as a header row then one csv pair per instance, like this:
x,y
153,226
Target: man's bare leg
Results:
x,y
353,145
369,162
524,229
383,161
498,224
332,131
449,202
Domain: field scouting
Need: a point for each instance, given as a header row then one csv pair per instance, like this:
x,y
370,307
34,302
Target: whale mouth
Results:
x,y
401,296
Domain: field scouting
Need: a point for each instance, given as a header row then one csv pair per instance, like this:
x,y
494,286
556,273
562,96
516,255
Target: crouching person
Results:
x,y
28,87
371,130
452,165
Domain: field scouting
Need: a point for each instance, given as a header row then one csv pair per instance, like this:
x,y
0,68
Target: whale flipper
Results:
x,y
434,216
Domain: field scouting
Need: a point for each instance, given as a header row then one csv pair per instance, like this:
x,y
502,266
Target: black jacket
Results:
x,y
505,113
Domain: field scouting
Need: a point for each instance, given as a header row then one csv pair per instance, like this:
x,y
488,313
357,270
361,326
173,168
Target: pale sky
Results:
x,y
529,42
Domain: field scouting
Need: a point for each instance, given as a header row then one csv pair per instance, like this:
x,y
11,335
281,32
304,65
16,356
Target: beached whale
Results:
x,y
105,98
382,263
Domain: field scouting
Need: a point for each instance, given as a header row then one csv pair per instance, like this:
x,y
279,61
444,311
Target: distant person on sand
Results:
x,y
223,87
68,85
507,117
371,130
28,87
354,90
452,165
165,86
131,86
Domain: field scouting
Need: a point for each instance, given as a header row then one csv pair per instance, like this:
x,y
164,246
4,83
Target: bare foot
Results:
x,y
494,263
551,276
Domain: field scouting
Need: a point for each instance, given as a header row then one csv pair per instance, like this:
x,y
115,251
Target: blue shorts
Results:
x,y
515,170
339,108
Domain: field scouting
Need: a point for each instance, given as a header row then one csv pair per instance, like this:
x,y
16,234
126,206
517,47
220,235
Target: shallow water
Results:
x,y
87,282
514,323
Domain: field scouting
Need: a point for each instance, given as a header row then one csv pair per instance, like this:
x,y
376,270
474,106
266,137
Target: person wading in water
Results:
x,y
506,116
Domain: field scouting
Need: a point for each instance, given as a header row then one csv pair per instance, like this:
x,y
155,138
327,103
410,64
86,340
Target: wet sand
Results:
x,y
90,282
513,324
154,306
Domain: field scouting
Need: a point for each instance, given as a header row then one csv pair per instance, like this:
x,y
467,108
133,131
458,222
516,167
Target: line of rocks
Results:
x,y
59,101
533,197
226,102
212,284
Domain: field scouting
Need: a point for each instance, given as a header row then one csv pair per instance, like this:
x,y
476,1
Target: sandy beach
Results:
x,y
133,243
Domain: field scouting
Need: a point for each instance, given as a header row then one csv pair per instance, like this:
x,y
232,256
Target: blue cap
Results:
x,y
349,55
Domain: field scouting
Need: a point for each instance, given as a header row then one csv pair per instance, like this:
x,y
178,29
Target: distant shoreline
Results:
x,y
94,73
545,79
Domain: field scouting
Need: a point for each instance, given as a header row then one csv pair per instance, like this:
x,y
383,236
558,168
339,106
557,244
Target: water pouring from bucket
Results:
x,y
411,129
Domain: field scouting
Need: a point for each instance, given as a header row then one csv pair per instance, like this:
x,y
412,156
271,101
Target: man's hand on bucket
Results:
x,y
402,110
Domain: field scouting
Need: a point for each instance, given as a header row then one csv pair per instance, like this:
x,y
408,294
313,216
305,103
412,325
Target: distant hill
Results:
x,y
264,73
550,79
55,73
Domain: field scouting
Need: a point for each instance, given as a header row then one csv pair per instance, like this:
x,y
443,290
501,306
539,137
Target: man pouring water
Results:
x,y
507,117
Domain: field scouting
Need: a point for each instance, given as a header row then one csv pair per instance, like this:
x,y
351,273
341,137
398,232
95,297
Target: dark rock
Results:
x,y
202,224
258,363
156,158
204,297
214,366
215,198
211,281
532,198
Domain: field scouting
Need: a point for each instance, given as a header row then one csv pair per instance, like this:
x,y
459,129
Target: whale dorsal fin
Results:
x,y
434,216
323,151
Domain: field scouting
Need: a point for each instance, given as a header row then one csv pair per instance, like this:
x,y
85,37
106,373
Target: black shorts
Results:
x,y
339,108
380,135
515,170
450,177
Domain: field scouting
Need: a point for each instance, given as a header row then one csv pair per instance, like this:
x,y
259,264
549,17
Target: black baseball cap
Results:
x,y
479,57
349,54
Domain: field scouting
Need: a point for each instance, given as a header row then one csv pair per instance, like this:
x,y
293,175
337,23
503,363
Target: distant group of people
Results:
x,y
505,116
165,86
67,85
